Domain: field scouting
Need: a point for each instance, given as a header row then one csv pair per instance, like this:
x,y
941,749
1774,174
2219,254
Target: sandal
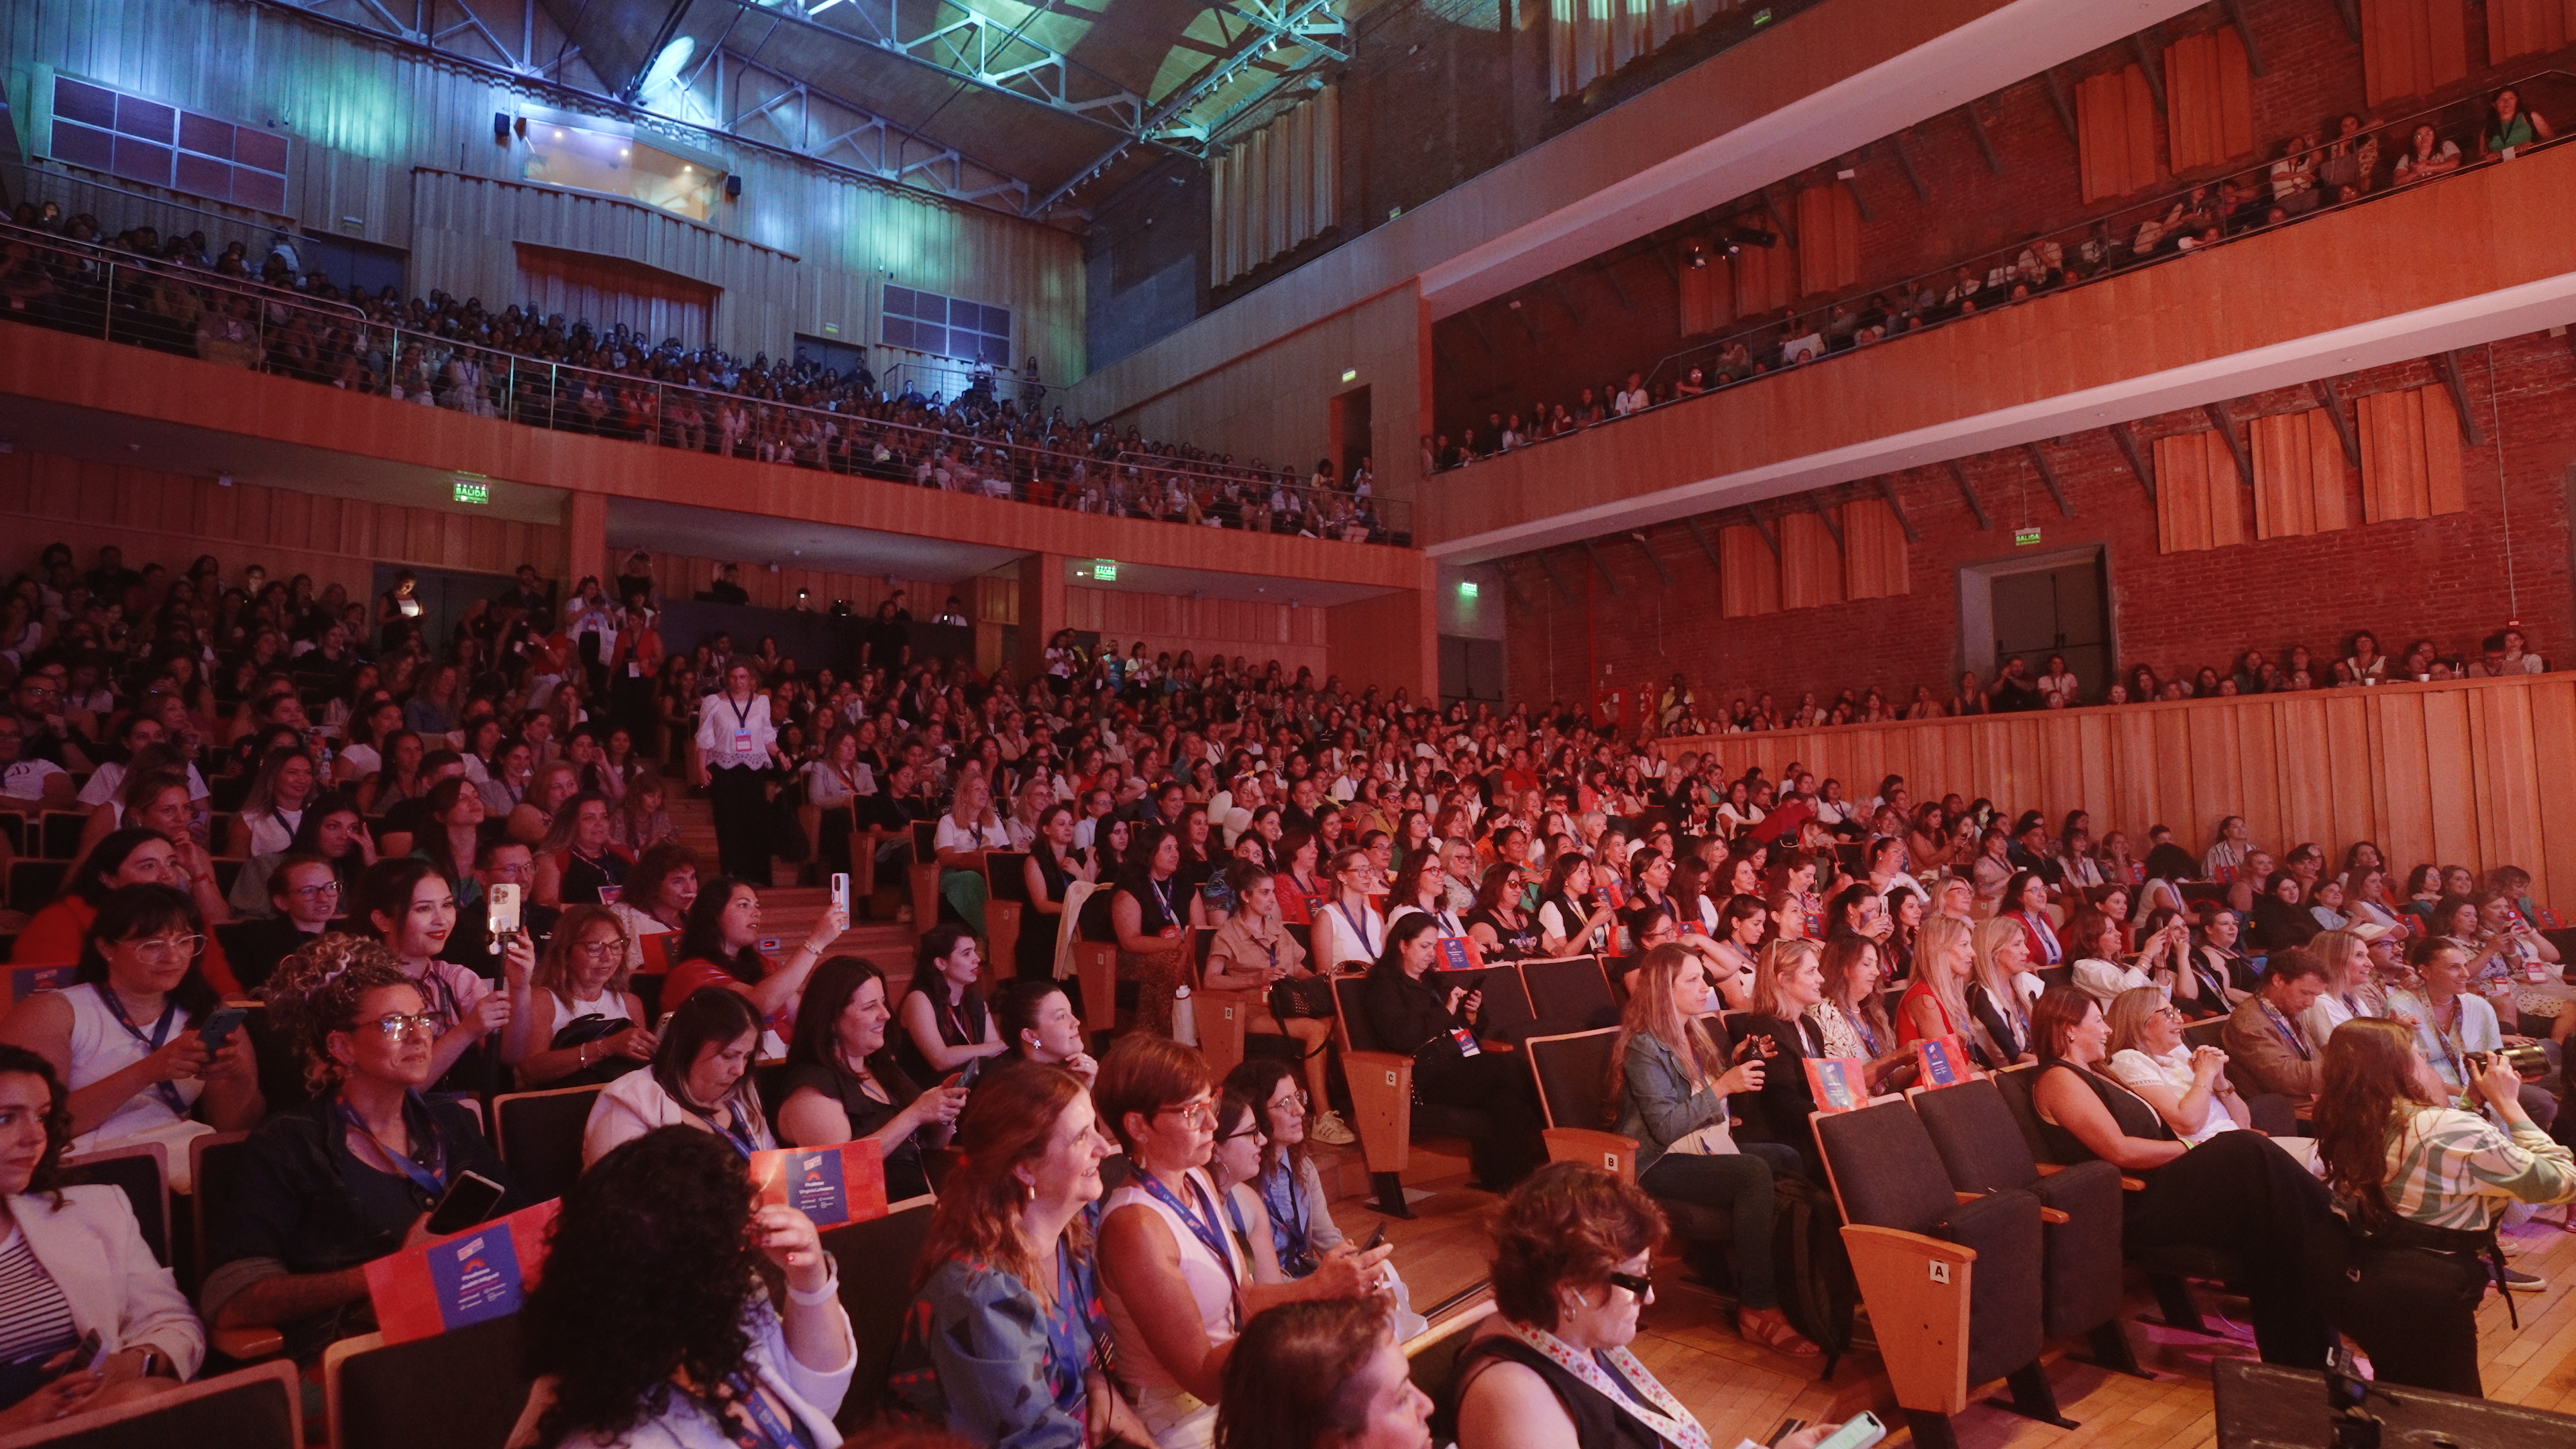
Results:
x,y
1767,1327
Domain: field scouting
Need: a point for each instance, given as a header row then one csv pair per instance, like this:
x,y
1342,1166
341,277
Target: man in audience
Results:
x,y
2267,1049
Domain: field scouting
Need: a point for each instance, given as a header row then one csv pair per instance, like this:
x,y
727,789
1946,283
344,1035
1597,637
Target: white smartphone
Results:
x,y
504,915
841,893
1858,1432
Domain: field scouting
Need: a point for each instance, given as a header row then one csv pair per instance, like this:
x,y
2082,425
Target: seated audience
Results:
x,y
1291,1189
841,1083
128,1037
1324,1374
323,1189
946,1021
653,1323
700,1077
719,947
578,863
407,905
1412,1014
574,1000
304,895
2264,1037
1254,952
1037,1019
660,887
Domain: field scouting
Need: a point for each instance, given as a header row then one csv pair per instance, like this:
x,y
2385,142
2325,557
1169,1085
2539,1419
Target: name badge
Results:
x,y
742,742
1466,1040
634,670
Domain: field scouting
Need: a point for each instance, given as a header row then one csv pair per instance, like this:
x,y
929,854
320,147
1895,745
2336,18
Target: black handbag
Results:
x,y
1302,996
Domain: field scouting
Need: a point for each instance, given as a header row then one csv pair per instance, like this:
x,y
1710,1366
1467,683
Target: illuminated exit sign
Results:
x,y
2025,537
1105,570
478,494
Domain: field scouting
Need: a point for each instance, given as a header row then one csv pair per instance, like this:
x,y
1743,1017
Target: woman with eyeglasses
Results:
x,y
1573,1267
573,1023
1291,1189
327,1187
332,829
2186,1085
1178,1284
124,1037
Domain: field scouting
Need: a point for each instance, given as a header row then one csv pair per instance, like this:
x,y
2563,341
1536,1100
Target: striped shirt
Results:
x,y
2454,1169
35,1318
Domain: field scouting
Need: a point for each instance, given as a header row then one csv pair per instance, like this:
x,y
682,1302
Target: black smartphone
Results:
x,y
470,1199
1375,1238
973,1069
220,1024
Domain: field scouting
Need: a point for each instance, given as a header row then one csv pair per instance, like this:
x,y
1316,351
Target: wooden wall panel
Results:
x,y
1275,188
2115,126
1389,643
2410,454
2198,502
681,576
1828,239
2298,475
1707,293
1874,565
1748,573
169,519
2449,773
1766,278
2210,98
2520,27
2412,47
1811,563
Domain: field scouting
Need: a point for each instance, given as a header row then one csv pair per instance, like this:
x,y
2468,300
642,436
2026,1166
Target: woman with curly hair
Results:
x,y
651,1325
1000,1345
348,1177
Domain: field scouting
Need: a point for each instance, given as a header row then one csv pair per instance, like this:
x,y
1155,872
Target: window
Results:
x,y
159,145
619,165
947,326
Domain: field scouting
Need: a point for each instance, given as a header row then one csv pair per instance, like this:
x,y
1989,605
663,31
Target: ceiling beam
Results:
x,y
2225,421
2150,62
1905,163
670,26
1602,569
1985,143
2331,399
2244,31
1550,570
1762,529
1959,476
1887,490
2459,386
2127,439
1652,562
1701,539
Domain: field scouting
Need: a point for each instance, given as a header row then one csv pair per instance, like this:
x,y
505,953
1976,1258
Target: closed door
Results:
x,y
2057,611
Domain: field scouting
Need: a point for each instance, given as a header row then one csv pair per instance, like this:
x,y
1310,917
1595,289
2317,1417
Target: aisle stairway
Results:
x,y
787,911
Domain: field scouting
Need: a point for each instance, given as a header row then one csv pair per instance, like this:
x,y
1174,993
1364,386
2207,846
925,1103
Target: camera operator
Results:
x,y
2422,1185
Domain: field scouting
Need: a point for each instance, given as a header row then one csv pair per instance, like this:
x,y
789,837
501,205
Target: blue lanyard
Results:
x,y
724,1128
1203,1229
1288,1226
429,1178
2290,1037
168,1092
1357,929
767,1430
1068,1356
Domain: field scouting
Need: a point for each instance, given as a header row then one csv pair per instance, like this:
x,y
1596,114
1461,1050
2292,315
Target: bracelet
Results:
x,y
831,1289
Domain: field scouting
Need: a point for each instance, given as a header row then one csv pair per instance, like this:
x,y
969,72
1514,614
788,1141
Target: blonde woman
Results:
x,y
1672,1084
2001,989
1935,1003
572,1020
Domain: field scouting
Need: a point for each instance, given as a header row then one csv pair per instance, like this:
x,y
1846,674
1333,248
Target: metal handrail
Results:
x,y
2122,223
124,298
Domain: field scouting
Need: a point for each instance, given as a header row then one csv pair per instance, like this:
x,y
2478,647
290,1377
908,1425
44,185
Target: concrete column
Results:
x,y
1041,611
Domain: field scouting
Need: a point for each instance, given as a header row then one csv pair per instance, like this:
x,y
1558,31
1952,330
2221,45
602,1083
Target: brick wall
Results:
x,y
2441,578
1596,321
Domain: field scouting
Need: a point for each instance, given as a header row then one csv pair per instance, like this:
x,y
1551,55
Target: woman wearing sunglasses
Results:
x,y
125,1038
348,1177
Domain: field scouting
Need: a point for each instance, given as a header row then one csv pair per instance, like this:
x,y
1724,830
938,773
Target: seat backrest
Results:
x,y
1003,877
458,1390
1974,1131
1504,1014
1350,1023
142,1173
34,883
2056,975
212,1162
925,843
255,1408
1573,1072
1885,1169
62,829
2205,1033
540,1138
876,1258
2013,1084
1573,991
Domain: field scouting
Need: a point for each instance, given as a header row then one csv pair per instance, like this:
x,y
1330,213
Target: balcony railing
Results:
x,y
191,312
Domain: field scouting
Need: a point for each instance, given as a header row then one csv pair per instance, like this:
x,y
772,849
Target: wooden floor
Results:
x,y
1742,1391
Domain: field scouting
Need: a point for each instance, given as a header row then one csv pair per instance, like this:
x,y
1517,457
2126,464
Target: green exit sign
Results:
x,y
1466,588
479,494
1105,570
2025,537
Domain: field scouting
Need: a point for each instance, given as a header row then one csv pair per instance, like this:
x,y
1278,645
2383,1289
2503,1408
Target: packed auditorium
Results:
x,y
1296,724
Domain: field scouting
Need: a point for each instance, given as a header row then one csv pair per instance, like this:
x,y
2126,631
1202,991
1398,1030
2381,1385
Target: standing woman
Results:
x,y
1150,916
736,744
2422,1185
653,1323
834,785
1411,1015
841,1083
634,665
123,1039
1053,864
1003,1344
946,1022
1672,1084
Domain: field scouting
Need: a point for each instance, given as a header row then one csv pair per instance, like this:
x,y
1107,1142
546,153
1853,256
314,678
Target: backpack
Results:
x,y
1816,1286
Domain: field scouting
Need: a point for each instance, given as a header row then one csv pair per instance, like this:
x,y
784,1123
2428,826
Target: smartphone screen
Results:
x,y
505,908
220,1024
1858,1432
469,1201
841,892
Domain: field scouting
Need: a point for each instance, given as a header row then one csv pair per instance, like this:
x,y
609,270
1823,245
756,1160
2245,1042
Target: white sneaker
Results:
x,y
1332,1131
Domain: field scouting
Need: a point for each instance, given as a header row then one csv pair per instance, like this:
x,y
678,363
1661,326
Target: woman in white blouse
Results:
x,y
735,743
1348,928
73,1262
2186,1085
700,1077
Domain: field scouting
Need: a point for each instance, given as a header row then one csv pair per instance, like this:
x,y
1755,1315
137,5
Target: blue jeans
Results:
x,y
1739,1182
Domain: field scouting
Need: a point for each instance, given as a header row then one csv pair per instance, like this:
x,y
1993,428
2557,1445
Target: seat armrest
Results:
x,y
1917,1292
1382,1104
1607,1150
247,1342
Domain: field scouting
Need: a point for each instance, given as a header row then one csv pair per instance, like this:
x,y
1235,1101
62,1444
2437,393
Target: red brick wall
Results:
x,y
2442,578
1592,329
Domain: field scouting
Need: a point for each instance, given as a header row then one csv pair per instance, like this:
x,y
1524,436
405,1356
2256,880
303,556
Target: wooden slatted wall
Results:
x,y
1748,574
2411,47
1766,278
1707,293
2299,484
2115,122
1873,550
1275,188
680,576
2432,772
2521,27
1811,563
1828,239
2410,454
2210,92
1258,631
2198,503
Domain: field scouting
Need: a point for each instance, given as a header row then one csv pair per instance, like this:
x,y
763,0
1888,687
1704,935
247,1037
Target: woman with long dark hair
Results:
x,y
1412,1013
719,946
2421,1185
1003,1343
652,1324
1151,915
1322,1375
842,1084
